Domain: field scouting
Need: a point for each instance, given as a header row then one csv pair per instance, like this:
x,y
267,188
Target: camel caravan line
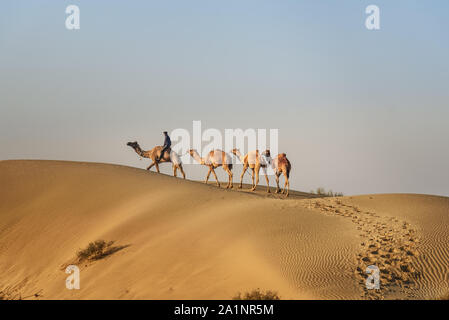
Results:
x,y
253,160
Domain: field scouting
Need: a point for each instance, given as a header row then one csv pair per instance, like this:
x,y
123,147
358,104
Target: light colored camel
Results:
x,y
281,165
153,154
213,160
254,160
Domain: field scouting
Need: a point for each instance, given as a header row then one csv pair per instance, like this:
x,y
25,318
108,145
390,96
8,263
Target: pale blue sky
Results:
x,y
358,111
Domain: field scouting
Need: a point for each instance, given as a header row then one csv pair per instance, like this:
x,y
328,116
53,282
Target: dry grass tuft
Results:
x,y
97,250
323,193
258,294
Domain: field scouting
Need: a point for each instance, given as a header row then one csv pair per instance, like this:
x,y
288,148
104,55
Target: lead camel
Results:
x,y
153,154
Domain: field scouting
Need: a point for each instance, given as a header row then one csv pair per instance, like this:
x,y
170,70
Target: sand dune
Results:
x,y
186,240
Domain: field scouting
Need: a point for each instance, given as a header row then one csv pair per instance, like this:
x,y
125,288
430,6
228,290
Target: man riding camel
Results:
x,y
165,147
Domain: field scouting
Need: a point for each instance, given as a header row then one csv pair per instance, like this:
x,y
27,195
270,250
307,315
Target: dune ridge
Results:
x,y
186,240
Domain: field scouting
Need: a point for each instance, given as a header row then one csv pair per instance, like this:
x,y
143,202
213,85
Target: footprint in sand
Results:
x,y
388,243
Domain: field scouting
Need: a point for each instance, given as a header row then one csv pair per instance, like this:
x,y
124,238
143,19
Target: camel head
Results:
x,y
133,144
235,151
266,153
192,152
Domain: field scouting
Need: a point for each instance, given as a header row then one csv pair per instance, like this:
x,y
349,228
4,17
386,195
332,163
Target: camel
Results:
x,y
213,160
153,154
254,160
281,165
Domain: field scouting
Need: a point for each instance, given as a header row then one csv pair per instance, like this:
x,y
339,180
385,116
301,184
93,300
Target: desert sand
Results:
x,y
181,239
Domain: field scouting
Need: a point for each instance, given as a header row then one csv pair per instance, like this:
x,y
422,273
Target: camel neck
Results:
x,y
197,157
139,151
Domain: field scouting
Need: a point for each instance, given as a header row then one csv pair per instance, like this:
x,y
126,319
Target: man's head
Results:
x,y
165,133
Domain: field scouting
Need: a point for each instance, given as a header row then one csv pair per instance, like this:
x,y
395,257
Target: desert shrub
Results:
x,y
334,194
257,294
95,250
323,193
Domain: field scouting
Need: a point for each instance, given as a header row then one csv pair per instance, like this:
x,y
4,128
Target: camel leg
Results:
x,y
230,177
266,178
215,175
277,183
175,169
150,166
157,167
225,169
245,167
182,171
256,173
208,174
252,178
286,185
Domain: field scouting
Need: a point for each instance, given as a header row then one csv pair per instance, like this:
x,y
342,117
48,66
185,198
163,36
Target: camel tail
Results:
x,y
289,168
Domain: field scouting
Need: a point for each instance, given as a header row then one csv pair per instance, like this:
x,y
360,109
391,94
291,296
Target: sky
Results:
x,y
358,111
